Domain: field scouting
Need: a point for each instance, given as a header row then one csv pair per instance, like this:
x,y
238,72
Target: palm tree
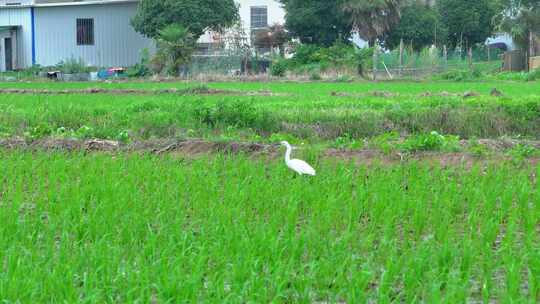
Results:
x,y
176,45
372,18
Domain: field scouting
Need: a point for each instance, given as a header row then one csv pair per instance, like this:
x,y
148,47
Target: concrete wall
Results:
x,y
20,18
116,43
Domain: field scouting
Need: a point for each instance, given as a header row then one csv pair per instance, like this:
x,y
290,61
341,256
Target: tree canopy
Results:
x,y
197,16
319,22
372,19
468,22
324,22
419,27
518,18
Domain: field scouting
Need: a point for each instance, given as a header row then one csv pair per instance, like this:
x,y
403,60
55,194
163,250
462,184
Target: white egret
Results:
x,y
297,165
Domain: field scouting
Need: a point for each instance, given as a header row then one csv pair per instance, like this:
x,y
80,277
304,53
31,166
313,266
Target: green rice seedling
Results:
x,y
101,228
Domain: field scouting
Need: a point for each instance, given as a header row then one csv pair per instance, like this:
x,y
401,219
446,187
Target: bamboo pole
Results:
x,y
445,54
401,46
470,58
375,60
531,50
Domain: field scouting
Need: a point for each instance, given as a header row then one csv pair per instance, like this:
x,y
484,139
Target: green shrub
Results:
x,y
533,76
517,76
306,54
339,55
142,68
279,68
363,60
315,76
461,75
511,76
73,66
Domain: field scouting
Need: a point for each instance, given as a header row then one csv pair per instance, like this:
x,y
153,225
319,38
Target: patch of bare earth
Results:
x,y
196,148
386,94
189,91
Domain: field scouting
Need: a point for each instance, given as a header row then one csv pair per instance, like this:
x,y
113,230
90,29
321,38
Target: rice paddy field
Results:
x,y
426,192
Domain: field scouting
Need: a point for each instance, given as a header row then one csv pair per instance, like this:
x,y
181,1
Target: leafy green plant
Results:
x,y
306,54
477,149
73,66
315,76
364,60
84,132
533,76
123,136
522,151
278,68
461,75
175,45
278,137
429,142
385,142
38,131
238,113
142,68
346,141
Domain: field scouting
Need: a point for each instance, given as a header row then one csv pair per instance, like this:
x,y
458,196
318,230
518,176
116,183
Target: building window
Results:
x,y
85,31
259,17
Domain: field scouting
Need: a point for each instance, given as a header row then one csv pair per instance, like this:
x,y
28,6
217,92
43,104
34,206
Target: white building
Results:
x,y
45,32
255,15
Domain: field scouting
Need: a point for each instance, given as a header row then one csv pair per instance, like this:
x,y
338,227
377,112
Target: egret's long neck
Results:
x,y
288,153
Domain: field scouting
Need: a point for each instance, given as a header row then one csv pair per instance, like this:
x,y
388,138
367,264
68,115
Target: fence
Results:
x,y
389,65
406,63
215,64
534,63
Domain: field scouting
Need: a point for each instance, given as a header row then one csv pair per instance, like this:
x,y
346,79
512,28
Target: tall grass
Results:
x,y
135,228
326,117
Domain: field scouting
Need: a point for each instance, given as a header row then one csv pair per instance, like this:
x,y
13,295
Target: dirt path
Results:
x,y
194,148
188,91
